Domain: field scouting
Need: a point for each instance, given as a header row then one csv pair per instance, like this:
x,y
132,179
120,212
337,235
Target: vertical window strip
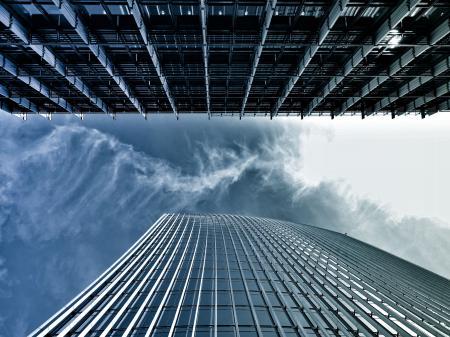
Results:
x,y
201,283
177,312
143,282
123,274
232,230
66,313
147,299
172,281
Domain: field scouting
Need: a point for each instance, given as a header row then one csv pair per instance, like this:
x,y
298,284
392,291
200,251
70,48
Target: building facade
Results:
x,y
227,275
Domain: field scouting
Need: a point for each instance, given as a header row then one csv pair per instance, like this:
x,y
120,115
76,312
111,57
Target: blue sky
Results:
x,y
75,194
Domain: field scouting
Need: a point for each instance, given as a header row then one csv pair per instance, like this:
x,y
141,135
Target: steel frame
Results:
x,y
224,58
137,14
16,26
205,53
335,12
270,8
409,56
391,22
414,84
71,15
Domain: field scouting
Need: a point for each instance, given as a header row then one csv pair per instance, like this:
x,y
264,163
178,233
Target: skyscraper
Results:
x,y
227,275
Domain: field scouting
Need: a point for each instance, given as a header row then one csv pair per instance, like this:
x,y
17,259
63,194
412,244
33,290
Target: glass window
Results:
x,y
208,284
237,284
225,316
264,316
252,285
266,286
257,298
222,273
207,298
240,298
247,332
185,315
224,297
290,332
289,300
225,331
203,332
166,317
160,332
300,318
209,271
244,316
189,298
174,298
269,332
205,316
147,317
273,299
223,284
282,317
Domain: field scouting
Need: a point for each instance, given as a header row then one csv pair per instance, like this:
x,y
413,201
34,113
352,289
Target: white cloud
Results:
x,y
71,173
402,164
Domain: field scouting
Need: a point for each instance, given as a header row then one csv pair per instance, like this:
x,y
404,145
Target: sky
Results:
x,y
74,195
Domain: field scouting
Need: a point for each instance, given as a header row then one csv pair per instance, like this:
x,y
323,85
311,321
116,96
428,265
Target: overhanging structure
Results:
x,y
217,58
233,276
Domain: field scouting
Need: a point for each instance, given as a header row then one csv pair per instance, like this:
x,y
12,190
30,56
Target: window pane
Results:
x,y
263,316
225,316
244,316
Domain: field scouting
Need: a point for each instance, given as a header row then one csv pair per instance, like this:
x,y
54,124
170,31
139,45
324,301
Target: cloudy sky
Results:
x,y
75,194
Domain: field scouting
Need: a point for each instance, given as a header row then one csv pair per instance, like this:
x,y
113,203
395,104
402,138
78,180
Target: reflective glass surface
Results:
x,y
227,275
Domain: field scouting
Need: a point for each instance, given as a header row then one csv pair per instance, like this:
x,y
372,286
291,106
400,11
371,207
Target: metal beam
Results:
x,y
397,15
261,113
270,8
443,106
22,101
13,23
411,85
4,108
205,50
433,94
335,12
137,14
315,113
34,83
71,15
409,56
275,45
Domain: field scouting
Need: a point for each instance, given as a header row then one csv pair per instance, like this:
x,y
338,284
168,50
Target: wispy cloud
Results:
x,y
72,176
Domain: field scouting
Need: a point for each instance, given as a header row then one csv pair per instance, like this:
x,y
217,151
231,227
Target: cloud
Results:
x,y
73,198
74,179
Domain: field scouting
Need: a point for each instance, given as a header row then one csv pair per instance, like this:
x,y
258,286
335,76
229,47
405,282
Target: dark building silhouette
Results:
x,y
222,57
227,275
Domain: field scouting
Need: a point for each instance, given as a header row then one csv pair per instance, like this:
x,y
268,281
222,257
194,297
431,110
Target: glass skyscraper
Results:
x,y
226,275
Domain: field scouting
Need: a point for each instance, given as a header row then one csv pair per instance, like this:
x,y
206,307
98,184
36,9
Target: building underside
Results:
x,y
222,57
